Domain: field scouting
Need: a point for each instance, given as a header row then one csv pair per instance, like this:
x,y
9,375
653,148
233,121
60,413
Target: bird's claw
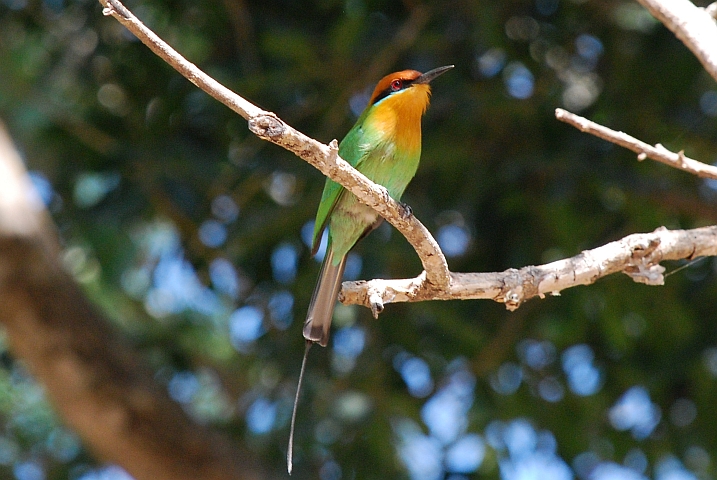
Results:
x,y
405,210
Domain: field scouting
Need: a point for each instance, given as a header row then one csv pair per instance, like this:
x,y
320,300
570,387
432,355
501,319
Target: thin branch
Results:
x,y
694,26
637,255
325,158
190,71
658,152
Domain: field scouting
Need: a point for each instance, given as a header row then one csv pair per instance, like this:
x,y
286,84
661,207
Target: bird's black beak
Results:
x,y
431,74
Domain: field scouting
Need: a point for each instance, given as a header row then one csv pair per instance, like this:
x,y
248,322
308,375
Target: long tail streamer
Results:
x,y
290,450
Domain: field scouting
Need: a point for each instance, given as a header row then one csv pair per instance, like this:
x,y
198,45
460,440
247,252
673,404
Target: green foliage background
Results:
x,y
131,158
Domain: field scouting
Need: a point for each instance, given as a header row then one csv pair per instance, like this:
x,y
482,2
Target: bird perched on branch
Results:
x,y
384,145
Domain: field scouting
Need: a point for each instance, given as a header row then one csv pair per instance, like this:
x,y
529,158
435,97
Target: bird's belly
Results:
x,y
349,221
362,214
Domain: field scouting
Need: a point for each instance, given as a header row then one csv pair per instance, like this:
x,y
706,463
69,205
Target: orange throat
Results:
x,y
399,117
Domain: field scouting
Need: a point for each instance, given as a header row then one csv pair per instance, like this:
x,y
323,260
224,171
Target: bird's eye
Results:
x,y
396,85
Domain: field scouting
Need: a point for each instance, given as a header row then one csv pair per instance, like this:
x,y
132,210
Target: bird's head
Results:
x,y
397,105
411,82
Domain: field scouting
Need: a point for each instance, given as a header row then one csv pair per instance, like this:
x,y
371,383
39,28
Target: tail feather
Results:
x,y
321,308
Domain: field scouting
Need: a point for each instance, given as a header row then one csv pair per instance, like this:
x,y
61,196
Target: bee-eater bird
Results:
x,y
384,145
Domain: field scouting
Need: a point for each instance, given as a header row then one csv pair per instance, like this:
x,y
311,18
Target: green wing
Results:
x,y
350,149
332,192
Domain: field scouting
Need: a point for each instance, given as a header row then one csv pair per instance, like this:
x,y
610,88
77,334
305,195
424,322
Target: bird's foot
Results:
x,y
405,210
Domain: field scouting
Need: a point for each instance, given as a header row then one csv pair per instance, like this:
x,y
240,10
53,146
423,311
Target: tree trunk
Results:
x,y
96,382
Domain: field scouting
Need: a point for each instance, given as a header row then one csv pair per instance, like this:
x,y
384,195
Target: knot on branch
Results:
x,y
513,292
643,268
645,248
113,7
267,126
378,294
370,295
375,300
646,273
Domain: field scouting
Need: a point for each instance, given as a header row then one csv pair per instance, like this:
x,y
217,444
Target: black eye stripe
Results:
x,y
388,91
382,95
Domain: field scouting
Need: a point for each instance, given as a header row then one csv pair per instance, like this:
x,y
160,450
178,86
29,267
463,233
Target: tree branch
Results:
x,y
643,150
95,381
325,158
694,26
638,256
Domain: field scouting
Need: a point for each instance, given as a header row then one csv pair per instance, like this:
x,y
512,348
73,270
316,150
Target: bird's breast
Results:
x,y
395,122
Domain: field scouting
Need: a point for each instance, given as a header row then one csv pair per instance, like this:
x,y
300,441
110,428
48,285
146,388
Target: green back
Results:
x,y
351,151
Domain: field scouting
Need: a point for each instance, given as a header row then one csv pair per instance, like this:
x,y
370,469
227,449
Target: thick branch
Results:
x,y
643,150
269,127
94,381
637,255
694,26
